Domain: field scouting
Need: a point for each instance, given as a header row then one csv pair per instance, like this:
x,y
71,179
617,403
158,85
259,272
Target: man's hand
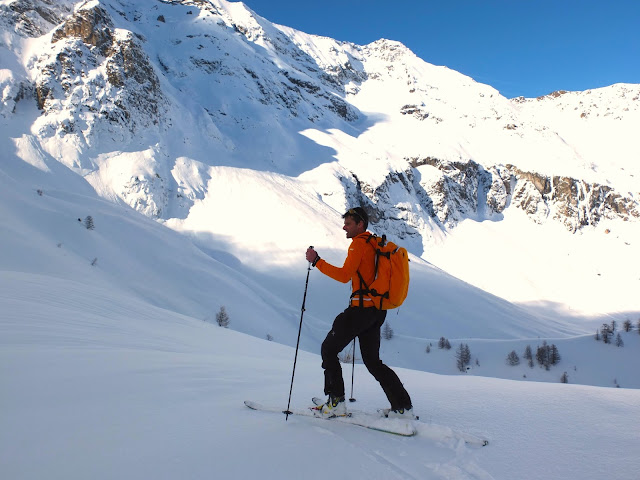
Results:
x,y
312,255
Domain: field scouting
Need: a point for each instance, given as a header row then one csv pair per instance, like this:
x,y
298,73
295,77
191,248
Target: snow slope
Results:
x,y
111,363
261,282
182,107
98,384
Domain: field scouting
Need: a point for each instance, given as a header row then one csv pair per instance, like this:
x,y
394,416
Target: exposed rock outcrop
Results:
x,y
467,189
128,97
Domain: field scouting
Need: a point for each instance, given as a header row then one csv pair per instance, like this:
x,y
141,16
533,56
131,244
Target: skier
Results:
x,y
361,319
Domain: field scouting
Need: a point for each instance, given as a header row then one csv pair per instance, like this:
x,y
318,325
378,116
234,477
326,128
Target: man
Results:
x,y
361,319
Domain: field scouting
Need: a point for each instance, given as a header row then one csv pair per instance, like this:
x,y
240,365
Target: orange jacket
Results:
x,y
361,257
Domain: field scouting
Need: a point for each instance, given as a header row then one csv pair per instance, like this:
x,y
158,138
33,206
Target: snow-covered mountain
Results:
x,y
143,99
250,138
160,160
136,96
154,103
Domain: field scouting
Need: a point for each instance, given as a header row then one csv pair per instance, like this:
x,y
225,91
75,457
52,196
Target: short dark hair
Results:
x,y
358,214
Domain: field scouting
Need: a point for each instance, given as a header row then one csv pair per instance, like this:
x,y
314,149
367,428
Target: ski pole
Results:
x,y
353,367
287,412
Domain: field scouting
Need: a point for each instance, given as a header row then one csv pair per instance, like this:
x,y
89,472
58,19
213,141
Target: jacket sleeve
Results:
x,y
348,270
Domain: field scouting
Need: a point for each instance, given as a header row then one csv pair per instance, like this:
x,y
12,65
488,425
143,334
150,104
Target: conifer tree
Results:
x,y
460,357
554,355
463,356
529,356
387,332
605,331
541,355
513,359
222,318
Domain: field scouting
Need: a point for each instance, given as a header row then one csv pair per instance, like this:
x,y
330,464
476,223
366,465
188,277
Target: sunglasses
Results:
x,y
352,212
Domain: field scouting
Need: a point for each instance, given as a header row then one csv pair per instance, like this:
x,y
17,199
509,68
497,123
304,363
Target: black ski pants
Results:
x,y
364,323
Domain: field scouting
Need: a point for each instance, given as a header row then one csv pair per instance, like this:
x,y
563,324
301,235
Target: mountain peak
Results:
x,y
132,95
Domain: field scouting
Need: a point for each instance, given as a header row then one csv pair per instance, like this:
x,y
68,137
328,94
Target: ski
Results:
x,y
440,432
437,432
361,419
379,422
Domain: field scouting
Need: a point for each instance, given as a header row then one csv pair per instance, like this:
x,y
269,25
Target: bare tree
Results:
x,y
345,356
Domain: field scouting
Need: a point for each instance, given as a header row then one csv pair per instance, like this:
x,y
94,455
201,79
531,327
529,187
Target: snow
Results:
x,y
529,253
111,363
103,377
98,384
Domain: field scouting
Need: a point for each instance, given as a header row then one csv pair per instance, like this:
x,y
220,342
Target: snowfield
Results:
x,y
103,377
185,160
97,384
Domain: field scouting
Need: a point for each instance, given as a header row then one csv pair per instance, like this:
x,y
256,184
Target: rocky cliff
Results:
x,y
184,85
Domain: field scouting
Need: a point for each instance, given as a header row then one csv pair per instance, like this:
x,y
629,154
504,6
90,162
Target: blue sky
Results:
x,y
520,47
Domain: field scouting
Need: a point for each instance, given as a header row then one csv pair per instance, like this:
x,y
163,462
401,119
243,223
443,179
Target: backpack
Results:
x,y
391,283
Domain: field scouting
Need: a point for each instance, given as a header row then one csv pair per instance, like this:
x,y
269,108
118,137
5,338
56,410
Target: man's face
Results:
x,y
352,228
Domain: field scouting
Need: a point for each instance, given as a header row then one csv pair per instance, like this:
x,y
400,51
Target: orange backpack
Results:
x,y
391,283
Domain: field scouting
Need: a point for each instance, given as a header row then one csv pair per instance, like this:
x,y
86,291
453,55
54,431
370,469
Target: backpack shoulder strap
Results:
x,y
364,288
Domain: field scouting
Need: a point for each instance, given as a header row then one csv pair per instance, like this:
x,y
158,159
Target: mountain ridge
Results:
x,y
319,82
146,101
